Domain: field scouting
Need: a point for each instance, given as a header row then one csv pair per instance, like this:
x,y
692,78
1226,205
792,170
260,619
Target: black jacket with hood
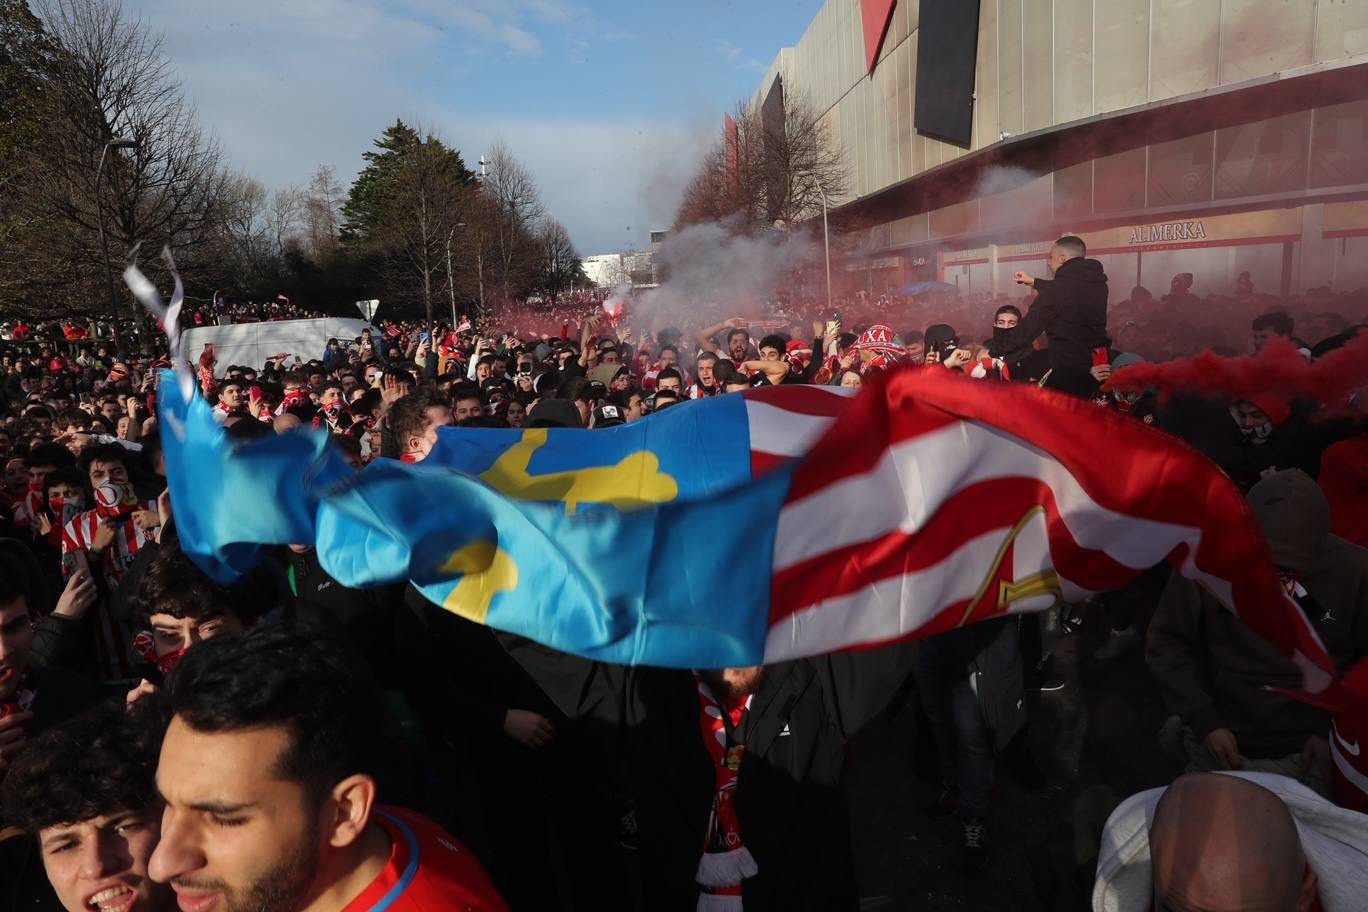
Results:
x,y
1071,310
1212,667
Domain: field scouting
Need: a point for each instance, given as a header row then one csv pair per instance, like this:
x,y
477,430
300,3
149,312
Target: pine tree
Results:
x,y
364,209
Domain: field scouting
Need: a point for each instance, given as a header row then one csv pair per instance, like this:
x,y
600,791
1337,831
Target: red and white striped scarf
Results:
x,y
726,862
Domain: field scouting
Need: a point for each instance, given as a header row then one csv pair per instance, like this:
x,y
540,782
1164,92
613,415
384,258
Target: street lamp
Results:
x,y
826,237
104,240
451,280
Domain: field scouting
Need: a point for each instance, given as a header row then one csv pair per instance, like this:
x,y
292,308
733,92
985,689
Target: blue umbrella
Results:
x,y
916,288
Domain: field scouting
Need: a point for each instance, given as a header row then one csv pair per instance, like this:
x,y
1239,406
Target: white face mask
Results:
x,y
1126,401
1250,428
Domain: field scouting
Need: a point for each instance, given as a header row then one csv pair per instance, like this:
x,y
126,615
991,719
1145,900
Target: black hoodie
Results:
x,y
1214,670
1071,309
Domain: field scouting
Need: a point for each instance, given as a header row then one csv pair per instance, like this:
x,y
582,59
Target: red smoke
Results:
x,y
1278,370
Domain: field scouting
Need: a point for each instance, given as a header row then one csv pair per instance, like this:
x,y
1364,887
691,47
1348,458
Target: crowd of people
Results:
x,y
288,743
221,311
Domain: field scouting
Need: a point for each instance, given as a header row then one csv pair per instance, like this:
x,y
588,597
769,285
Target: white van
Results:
x,y
250,344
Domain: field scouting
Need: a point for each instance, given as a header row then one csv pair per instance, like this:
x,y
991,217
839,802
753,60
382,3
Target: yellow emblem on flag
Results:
x,y
635,481
488,570
1000,589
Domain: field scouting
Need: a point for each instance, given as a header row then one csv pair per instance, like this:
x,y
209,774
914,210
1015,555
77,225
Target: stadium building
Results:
x,y
1215,137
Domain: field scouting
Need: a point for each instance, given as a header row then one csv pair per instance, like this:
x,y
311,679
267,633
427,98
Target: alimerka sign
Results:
x,y
1167,232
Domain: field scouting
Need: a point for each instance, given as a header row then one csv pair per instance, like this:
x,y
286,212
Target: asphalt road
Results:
x,y
1043,835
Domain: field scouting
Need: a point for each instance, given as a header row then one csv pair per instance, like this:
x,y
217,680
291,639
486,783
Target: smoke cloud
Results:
x,y
1278,370
1001,178
709,265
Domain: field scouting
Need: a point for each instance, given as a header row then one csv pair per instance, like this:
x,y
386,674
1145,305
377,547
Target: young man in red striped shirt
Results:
x,y
267,771
105,540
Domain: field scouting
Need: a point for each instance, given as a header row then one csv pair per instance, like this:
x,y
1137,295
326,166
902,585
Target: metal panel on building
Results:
x,y
1265,36
1123,113
1123,43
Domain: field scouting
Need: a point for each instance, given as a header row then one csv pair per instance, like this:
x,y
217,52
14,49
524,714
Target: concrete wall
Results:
x,y
1042,63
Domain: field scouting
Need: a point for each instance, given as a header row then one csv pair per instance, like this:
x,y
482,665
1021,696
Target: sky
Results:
x,y
609,103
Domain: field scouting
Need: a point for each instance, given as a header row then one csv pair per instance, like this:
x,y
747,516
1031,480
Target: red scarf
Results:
x,y
206,371
726,861
146,647
20,701
292,399
63,512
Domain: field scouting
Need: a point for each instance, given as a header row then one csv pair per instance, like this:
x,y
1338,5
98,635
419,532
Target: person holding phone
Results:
x,y
104,541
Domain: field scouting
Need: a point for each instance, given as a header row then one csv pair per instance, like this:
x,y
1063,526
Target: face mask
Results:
x,y
65,509
145,646
1250,430
294,398
1125,402
167,663
115,499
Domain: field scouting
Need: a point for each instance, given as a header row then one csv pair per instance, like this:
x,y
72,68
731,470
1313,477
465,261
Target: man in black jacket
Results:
x,y
32,697
786,743
1071,309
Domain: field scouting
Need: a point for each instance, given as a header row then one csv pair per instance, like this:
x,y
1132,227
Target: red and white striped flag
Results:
x,y
934,501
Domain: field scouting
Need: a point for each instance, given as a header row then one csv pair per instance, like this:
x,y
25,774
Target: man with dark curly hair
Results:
x,y
267,771
84,797
175,606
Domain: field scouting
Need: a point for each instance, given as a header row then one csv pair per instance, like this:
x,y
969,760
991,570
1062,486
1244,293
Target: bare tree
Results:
x,y
558,264
798,163
713,194
110,79
245,226
283,217
770,171
26,269
516,208
322,203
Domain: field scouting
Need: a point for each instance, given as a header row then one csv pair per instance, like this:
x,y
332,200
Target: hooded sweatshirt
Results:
x,y
1334,840
1212,668
1071,310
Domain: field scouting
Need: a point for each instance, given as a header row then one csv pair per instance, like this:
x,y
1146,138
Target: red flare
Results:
x,y
1279,370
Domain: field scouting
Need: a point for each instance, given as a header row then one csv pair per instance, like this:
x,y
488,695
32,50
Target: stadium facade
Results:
x,y
1207,136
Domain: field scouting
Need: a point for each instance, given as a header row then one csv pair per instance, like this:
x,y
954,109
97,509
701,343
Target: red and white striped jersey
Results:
x,y
26,508
79,535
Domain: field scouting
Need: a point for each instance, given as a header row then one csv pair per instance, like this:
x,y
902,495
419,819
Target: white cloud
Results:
x,y
610,182
498,25
552,10
728,50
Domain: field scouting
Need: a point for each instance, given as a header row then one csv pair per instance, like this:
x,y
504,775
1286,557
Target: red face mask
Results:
x,y
167,663
294,398
20,702
146,647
